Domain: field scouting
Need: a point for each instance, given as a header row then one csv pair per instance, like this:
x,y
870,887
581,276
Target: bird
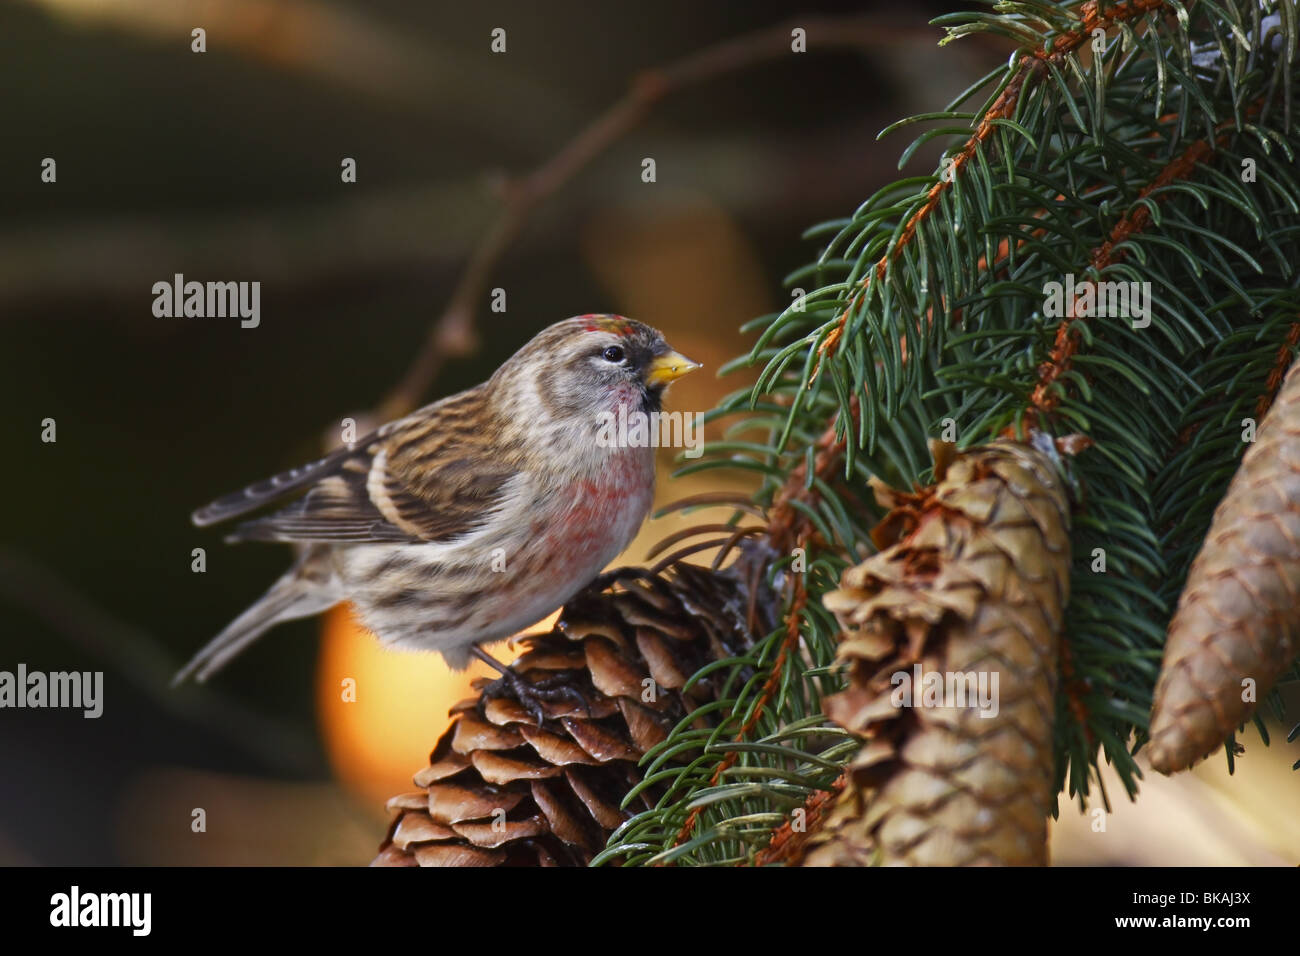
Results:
x,y
473,517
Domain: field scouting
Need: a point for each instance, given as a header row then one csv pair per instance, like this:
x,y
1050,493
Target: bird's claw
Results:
x,y
531,694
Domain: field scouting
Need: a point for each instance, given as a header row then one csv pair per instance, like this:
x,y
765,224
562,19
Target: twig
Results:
x,y
787,842
787,523
1285,354
452,335
1066,342
1044,398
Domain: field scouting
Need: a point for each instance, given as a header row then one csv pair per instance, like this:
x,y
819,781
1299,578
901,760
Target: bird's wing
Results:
x,y
272,489
428,477
337,508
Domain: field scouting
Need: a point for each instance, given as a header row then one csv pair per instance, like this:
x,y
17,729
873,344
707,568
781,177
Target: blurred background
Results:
x,y
225,165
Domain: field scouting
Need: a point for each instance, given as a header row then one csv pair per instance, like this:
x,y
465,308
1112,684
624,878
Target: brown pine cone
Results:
x,y
1238,617
972,582
501,791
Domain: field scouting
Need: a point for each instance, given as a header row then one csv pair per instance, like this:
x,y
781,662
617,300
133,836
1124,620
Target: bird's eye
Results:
x,y
613,354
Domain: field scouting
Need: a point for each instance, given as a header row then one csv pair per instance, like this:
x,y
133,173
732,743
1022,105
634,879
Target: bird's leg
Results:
x,y
513,684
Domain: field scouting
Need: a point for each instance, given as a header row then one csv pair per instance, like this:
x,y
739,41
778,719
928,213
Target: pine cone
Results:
x,y
1237,617
972,580
500,790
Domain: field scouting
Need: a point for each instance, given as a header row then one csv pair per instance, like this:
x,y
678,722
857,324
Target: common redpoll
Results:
x,y
477,515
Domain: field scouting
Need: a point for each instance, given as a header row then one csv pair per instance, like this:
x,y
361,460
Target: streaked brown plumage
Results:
x,y
474,516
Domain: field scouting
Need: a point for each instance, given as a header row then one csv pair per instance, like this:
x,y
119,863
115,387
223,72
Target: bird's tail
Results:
x,y
306,589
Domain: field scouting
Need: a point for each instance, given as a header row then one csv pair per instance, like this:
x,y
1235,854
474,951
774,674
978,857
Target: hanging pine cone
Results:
x,y
501,790
972,581
1238,618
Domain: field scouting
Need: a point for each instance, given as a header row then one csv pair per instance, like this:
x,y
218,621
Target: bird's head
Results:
x,y
594,363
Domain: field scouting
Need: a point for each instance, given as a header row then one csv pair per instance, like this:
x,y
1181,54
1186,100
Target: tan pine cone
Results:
x,y
499,790
973,579
1238,617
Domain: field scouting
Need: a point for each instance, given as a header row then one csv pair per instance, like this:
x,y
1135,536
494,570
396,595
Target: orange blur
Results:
x,y
378,740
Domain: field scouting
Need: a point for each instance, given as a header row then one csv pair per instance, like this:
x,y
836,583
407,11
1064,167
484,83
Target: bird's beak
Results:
x,y
668,368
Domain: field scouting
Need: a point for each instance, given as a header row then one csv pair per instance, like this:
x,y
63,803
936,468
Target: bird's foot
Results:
x,y
531,694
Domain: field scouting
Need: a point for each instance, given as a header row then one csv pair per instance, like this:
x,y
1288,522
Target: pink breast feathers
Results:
x,y
603,513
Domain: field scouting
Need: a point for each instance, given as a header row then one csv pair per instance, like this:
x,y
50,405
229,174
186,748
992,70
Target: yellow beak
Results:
x,y
668,368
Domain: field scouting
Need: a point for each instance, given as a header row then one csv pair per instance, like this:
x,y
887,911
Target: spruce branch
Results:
x,y
791,642
927,306
1051,54
1046,395
1285,356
